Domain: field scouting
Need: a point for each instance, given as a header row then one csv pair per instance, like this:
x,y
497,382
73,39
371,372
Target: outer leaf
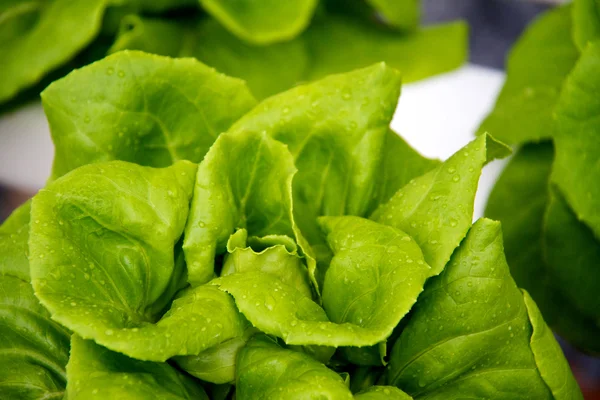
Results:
x,y
95,372
37,38
577,139
470,334
403,14
262,22
519,200
383,393
140,108
14,234
388,259
569,242
586,22
549,359
266,371
536,69
331,45
102,261
245,181
436,209
340,44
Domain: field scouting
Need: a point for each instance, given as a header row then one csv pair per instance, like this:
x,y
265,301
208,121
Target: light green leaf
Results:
x,y
262,22
549,358
95,372
375,277
382,393
577,139
572,255
37,38
536,69
268,372
14,234
586,22
245,181
102,253
362,378
402,14
140,108
218,363
333,44
436,209
470,335
153,6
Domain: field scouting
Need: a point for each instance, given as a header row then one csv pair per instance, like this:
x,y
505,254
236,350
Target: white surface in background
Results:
x,y
437,116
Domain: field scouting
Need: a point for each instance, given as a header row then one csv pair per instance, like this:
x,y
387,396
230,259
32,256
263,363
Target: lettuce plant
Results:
x,y
547,197
271,44
192,243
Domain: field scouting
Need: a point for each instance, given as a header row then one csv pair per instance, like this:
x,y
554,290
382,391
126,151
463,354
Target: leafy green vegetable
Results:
x,y
403,14
37,37
267,371
262,22
586,14
536,68
95,372
436,209
577,139
332,44
141,108
34,349
118,297
475,310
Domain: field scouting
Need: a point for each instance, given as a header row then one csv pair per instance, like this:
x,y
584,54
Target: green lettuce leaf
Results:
x,y
577,139
245,181
34,349
402,14
382,393
103,261
536,69
436,209
95,372
262,22
266,371
373,281
37,38
333,44
140,108
470,334
586,18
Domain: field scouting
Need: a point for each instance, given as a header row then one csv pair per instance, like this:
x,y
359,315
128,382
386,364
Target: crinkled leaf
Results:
x,y
262,22
375,277
536,69
140,108
102,248
577,139
14,234
266,371
95,372
245,181
586,22
382,393
333,44
549,358
36,37
572,256
436,209
470,334
216,364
